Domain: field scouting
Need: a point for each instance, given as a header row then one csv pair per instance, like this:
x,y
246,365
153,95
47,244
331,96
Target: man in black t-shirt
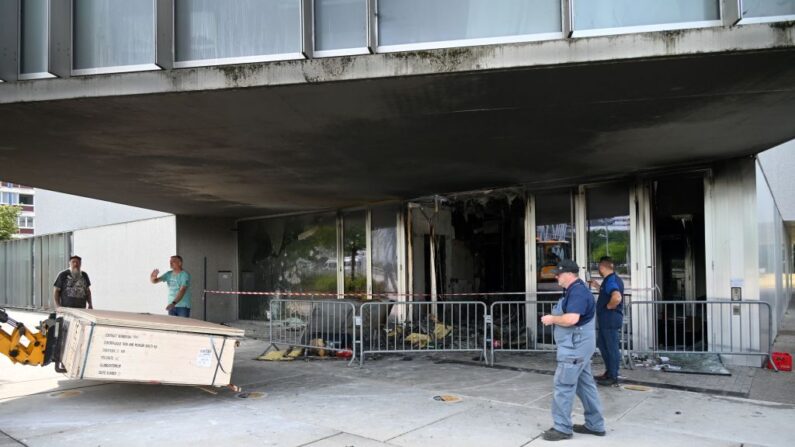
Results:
x,y
72,288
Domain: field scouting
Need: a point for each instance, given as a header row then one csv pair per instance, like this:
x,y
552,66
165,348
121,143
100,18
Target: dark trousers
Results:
x,y
180,312
607,340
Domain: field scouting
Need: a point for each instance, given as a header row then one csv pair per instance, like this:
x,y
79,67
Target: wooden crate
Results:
x,y
130,347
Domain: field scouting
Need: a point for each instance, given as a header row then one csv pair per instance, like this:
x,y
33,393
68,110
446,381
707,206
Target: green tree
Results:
x,y
8,221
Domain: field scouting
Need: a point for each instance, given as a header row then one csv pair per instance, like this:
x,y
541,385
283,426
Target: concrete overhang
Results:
x,y
325,133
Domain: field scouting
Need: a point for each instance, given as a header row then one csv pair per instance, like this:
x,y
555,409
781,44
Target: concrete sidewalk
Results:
x,y
388,402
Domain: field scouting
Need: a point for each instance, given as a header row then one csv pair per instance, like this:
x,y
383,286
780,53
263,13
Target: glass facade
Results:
x,y
554,236
34,36
354,251
113,33
403,22
767,8
384,249
340,24
608,223
208,30
602,14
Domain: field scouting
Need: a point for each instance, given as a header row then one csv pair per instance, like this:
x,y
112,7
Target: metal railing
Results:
x,y
715,327
423,326
318,325
516,327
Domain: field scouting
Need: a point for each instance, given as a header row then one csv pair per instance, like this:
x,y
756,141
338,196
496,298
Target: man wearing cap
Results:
x,y
72,288
575,337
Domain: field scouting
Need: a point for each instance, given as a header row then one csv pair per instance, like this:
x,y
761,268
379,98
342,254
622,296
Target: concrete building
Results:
x,y
21,196
422,148
58,212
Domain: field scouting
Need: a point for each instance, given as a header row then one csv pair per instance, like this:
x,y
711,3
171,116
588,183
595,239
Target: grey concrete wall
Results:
x,y
215,239
778,165
57,212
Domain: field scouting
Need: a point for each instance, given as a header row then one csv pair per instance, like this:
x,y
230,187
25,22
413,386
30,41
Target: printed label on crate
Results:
x,y
115,348
204,358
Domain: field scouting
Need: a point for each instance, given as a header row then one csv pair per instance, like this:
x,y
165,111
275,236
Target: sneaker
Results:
x,y
607,382
601,377
579,428
554,435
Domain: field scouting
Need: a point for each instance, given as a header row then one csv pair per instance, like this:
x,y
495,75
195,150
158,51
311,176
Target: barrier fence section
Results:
x,y
423,326
715,327
314,324
516,327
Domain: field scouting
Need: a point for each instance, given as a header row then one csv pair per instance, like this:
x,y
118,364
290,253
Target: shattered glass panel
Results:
x,y
384,242
295,254
608,228
354,251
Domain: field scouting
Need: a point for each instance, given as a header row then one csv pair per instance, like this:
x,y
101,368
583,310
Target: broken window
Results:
x,y
291,254
554,237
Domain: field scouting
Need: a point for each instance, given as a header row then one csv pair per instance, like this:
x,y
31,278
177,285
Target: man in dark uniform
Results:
x,y
72,288
609,318
573,320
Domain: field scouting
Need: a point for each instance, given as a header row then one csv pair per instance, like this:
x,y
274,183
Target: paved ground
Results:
x,y
389,401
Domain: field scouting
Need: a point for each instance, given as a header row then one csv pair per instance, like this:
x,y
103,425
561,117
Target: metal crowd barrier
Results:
x,y
516,327
715,327
423,326
318,325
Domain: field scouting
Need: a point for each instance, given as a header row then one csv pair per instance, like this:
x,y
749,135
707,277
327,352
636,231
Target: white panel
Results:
x,y
768,8
340,24
119,258
210,30
732,253
113,33
35,23
599,14
414,21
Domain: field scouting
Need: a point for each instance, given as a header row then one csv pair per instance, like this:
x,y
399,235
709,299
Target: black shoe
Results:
x,y
579,428
607,382
554,435
601,377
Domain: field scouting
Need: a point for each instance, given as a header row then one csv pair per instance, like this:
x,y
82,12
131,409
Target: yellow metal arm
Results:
x,y
22,345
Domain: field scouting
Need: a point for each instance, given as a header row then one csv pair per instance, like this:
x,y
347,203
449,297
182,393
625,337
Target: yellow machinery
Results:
x,y
31,348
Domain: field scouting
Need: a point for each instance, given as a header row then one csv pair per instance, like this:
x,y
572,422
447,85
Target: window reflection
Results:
x,y
384,241
554,237
295,254
354,251
608,228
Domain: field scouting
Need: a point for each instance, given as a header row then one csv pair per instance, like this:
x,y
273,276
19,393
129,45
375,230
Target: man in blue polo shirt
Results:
x,y
573,320
609,317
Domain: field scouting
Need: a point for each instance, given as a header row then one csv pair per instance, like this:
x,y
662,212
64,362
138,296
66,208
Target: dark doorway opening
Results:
x,y
680,271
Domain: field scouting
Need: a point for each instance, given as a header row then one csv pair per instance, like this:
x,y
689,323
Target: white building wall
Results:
x,y
774,243
57,212
732,258
119,258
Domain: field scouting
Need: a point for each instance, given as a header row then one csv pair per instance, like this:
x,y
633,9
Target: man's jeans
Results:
x,y
180,312
607,341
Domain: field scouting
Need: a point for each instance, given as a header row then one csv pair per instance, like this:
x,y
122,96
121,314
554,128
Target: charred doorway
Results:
x,y
468,244
680,261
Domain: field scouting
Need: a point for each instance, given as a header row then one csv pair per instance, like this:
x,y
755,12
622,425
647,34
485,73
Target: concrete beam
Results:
x,y
759,37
